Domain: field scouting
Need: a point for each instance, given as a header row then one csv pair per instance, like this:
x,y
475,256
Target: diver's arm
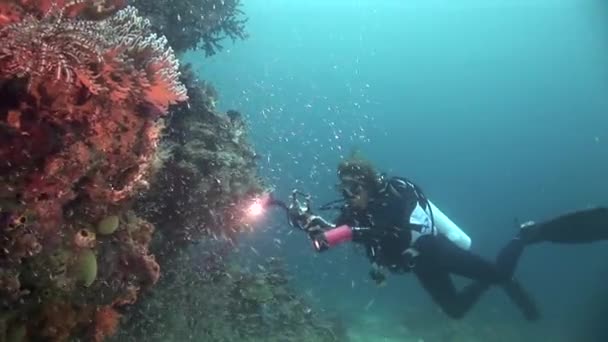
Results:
x,y
318,222
325,234
324,239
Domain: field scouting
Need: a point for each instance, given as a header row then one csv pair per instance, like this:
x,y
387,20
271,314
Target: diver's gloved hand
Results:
x,y
318,238
315,222
314,230
307,221
298,218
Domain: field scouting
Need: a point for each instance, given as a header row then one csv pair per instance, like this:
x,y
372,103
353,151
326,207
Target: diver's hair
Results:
x,y
360,170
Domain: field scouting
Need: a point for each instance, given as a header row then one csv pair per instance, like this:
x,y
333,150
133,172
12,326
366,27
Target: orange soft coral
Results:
x,y
111,78
118,57
106,323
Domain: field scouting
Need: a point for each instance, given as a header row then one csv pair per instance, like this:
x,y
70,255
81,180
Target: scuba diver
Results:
x,y
404,232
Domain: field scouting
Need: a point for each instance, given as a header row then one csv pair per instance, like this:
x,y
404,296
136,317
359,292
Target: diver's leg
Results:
x,y
522,299
582,226
454,259
439,286
509,256
470,265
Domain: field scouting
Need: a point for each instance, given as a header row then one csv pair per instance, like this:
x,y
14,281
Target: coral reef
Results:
x,y
191,24
111,160
226,302
208,174
84,85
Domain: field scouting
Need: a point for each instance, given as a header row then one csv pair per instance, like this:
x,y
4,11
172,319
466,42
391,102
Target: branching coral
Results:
x,y
192,24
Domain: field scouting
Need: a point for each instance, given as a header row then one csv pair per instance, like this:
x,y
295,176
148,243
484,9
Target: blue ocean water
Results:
x,y
498,109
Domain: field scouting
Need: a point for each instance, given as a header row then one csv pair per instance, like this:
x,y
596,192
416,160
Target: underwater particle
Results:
x,y
86,267
108,225
84,238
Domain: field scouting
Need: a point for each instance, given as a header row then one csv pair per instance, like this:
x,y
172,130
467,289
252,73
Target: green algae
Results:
x,y
108,225
86,267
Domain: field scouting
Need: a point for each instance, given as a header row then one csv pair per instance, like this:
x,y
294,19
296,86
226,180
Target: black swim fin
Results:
x,y
522,299
583,226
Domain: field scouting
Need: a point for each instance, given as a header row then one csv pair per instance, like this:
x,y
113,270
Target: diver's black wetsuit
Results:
x,y
432,258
